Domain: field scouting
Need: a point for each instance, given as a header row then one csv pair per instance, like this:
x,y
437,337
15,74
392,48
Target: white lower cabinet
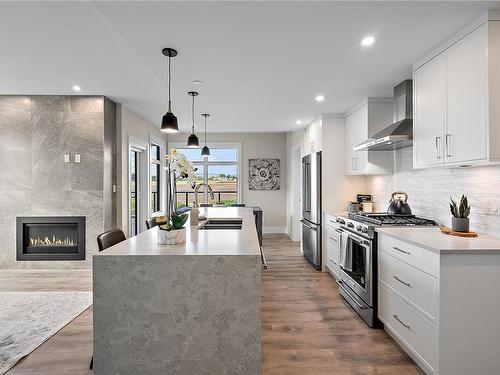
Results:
x,y
331,245
410,328
441,306
408,298
418,288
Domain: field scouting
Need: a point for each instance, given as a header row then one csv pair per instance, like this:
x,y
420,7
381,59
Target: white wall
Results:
x,y
258,145
430,190
293,140
326,134
130,124
338,188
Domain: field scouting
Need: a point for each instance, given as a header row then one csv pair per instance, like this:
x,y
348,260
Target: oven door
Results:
x,y
356,267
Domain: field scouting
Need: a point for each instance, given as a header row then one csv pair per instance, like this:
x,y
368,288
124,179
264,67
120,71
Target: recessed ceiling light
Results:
x,y
320,98
298,122
197,82
77,88
368,41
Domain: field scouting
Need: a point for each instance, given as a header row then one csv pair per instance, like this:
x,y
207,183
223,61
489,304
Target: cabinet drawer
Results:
x,y
332,260
418,287
416,256
332,237
330,220
417,332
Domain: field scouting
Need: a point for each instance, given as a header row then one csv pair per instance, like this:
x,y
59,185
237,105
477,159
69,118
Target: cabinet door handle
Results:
x,y
407,326
401,250
333,239
334,262
448,144
438,153
401,281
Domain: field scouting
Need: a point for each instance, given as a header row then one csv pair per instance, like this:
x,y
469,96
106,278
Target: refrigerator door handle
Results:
x,y
308,226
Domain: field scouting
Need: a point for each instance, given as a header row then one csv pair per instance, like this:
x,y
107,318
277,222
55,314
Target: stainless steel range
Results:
x,y
358,258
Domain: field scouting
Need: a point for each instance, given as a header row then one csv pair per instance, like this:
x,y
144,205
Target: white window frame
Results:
x,y
206,161
154,139
142,146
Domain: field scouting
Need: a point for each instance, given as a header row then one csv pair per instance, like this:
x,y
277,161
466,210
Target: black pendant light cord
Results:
x,y
192,115
205,130
169,80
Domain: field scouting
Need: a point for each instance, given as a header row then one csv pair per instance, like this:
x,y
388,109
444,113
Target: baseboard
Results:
x,y
267,230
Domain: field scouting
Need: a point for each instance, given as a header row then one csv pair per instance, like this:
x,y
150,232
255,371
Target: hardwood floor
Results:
x,y
308,329
306,326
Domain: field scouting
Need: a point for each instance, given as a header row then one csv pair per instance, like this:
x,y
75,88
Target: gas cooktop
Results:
x,y
383,219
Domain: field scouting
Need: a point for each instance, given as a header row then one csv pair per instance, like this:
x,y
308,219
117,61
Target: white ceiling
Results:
x,y
262,63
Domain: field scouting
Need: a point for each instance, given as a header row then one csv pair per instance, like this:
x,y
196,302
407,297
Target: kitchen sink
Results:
x,y
221,223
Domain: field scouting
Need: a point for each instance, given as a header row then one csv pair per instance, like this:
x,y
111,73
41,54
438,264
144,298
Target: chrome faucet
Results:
x,y
197,188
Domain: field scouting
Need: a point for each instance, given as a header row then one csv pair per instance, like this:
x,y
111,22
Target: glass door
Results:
x,y
135,193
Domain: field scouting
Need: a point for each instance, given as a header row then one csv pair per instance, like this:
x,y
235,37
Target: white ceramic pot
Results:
x,y
171,237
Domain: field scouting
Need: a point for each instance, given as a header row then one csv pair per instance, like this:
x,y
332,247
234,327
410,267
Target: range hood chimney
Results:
x,y
400,133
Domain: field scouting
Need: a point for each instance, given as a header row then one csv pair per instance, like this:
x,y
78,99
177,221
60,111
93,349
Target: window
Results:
x,y
155,175
220,170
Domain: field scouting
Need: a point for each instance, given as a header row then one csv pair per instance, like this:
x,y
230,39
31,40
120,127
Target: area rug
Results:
x,y
28,319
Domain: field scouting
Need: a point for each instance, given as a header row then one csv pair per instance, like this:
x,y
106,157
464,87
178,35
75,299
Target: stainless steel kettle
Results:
x,y
398,206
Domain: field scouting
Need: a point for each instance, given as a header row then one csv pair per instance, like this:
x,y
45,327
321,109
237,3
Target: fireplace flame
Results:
x,y
52,242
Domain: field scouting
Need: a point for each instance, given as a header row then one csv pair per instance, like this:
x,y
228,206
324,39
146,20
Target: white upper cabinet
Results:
x,y
456,100
429,93
312,141
467,97
362,122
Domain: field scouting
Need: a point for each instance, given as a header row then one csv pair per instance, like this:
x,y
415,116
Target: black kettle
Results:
x,y
398,206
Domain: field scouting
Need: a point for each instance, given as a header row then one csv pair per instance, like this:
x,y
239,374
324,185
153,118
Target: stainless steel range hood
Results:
x,y
400,133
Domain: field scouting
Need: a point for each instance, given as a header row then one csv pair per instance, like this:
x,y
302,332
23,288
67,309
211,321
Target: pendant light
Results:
x,y
169,121
193,141
205,151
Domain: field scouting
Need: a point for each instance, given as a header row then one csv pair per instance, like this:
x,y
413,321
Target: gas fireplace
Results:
x,y
51,238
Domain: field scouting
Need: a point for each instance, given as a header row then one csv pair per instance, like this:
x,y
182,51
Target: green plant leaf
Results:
x,y
467,212
463,206
453,208
178,221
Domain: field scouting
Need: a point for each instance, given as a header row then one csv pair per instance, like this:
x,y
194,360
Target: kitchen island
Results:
x,y
191,308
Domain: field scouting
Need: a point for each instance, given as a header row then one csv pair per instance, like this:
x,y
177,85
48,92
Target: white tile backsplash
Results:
x,y
430,189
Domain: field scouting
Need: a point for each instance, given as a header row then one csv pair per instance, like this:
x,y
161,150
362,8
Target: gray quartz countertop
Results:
x,y
242,241
432,239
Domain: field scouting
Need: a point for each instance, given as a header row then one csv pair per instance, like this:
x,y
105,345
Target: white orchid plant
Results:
x,y
178,166
181,166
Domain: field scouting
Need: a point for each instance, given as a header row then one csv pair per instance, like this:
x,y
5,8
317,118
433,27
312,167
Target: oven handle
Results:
x,y
359,239
307,226
361,307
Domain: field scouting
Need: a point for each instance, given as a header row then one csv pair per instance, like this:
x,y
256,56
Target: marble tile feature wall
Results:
x,y
430,190
35,134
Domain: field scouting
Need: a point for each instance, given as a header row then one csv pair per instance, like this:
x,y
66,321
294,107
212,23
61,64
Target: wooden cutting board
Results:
x,y
451,232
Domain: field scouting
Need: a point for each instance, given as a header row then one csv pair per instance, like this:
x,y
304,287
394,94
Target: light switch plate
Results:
x,y
66,158
77,158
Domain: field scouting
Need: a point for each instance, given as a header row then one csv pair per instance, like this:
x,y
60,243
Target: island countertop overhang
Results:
x,y
224,242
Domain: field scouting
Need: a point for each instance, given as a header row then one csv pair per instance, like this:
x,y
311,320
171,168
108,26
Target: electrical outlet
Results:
x,y
66,158
77,158
492,208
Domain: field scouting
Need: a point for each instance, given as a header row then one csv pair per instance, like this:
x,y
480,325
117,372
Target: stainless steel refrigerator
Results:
x,y
311,208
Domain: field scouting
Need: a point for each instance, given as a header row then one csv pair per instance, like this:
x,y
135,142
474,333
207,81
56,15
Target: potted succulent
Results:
x,y
460,219
171,229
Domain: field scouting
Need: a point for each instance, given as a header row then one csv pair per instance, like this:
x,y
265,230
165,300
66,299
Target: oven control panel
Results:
x,y
363,229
